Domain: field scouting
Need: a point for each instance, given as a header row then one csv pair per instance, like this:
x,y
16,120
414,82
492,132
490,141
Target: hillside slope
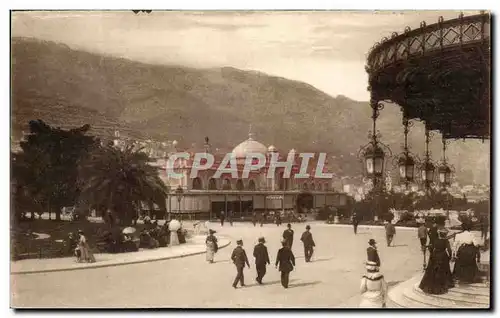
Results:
x,y
65,87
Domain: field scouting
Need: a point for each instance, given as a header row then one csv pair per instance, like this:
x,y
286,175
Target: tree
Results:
x,y
119,180
47,167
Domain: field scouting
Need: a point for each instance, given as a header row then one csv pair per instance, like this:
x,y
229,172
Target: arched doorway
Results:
x,y
226,184
304,202
239,185
197,184
251,185
212,184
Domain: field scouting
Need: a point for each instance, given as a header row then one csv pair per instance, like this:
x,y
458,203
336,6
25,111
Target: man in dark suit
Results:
x,y
288,235
286,261
309,244
261,259
239,258
355,222
372,253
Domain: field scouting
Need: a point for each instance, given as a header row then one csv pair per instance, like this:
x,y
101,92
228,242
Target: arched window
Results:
x,y
320,186
239,185
226,185
251,185
197,184
212,184
326,186
313,186
305,186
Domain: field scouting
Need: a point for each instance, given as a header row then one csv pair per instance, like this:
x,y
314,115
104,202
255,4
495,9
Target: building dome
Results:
x,y
247,147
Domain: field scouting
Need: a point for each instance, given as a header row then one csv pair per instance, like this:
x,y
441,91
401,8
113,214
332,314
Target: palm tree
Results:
x,y
119,180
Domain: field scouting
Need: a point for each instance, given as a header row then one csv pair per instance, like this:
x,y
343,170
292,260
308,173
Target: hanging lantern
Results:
x,y
374,160
444,175
406,168
428,172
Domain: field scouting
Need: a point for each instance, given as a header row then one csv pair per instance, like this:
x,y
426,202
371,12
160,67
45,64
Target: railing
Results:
x,y
429,38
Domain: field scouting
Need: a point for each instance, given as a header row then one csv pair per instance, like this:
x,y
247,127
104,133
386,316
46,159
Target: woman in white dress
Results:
x,y
212,247
373,288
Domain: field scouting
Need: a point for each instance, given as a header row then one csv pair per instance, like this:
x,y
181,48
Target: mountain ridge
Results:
x,y
61,85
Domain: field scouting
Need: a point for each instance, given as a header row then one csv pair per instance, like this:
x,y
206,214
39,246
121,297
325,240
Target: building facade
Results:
x,y
208,194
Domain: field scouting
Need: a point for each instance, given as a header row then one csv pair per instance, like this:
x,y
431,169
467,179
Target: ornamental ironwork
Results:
x,y
427,39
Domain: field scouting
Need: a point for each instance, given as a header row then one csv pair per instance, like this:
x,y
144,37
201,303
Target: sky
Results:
x,y
326,49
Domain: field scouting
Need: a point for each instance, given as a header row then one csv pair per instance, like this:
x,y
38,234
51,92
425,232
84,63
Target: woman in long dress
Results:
x,y
466,251
373,287
437,277
85,252
212,247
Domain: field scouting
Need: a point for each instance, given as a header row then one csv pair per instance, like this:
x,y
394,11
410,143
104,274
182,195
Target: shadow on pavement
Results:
x,y
275,282
305,284
399,245
321,259
393,283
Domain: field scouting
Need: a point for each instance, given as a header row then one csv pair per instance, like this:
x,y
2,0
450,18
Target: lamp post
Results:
x,y
427,168
374,154
405,161
445,172
179,193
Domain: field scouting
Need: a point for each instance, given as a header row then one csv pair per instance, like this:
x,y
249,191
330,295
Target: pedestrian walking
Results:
x,y
222,217
239,258
355,222
422,236
230,217
261,259
372,253
467,255
373,288
212,247
262,218
437,278
86,254
390,231
309,244
288,235
278,218
285,262
254,218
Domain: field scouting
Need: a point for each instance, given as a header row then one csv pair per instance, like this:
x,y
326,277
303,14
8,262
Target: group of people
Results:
x,y
438,276
285,259
79,247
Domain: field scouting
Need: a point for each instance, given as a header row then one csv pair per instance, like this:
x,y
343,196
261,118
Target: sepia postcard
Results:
x,y
250,159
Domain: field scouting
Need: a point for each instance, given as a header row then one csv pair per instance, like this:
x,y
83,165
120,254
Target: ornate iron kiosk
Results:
x,y
438,74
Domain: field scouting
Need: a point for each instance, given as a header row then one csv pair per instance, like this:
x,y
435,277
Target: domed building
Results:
x,y
208,195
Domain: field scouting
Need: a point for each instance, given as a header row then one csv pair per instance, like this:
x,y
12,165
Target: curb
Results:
x,y
97,265
364,226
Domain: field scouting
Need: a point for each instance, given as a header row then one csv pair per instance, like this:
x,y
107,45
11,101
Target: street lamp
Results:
x,y
374,154
179,193
427,168
445,171
405,161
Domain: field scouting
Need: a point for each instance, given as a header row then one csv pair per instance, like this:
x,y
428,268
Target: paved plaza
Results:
x,y
331,280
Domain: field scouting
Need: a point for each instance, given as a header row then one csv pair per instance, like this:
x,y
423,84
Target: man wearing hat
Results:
x,y
239,258
261,259
309,244
372,253
288,235
286,261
